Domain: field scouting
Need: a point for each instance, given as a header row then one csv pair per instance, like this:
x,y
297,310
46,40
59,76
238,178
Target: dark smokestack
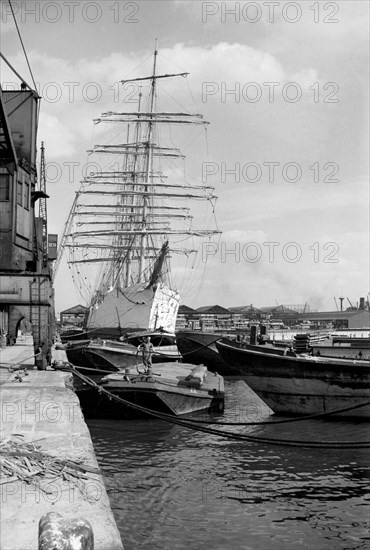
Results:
x,y
362,303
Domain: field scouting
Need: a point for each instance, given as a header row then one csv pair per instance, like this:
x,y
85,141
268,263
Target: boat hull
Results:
x,y
301,385
134,307
200,348
154,393
112,356
94,406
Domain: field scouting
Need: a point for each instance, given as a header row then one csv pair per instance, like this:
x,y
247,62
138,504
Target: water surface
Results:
x,y
173,488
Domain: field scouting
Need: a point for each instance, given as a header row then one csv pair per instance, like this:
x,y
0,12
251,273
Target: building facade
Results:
x,y
26,289
73,317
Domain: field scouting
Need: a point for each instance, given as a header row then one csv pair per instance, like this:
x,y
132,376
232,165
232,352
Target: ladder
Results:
x,y
39,312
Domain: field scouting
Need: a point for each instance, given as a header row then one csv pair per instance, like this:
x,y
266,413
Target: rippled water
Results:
x,y
172,488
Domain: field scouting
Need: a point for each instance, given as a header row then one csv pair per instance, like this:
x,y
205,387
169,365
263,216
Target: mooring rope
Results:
x,y
188,423
13,367
223,423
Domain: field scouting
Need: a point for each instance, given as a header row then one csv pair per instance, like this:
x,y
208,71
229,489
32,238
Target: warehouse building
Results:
x,y
358,318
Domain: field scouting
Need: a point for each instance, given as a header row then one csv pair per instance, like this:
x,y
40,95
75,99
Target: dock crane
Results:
x,y
352,308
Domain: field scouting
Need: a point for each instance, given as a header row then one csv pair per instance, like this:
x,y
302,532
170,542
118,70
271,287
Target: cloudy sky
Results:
x,y
284,87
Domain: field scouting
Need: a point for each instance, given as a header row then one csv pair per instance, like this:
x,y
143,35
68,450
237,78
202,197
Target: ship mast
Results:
x,y
123,216
128,263
129,251
149,167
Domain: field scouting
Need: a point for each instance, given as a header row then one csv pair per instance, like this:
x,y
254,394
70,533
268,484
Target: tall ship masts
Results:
x,y
131,214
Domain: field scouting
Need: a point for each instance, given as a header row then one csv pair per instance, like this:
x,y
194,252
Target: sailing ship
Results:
x,y
131,216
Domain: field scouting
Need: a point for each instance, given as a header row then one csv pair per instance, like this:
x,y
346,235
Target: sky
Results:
x,y
284,86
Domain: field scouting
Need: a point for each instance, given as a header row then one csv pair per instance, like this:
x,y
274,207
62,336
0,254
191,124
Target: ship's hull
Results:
x,y
139,307
123,311
115,359
109,333
200,348
112,356
96,357
158,393
301,385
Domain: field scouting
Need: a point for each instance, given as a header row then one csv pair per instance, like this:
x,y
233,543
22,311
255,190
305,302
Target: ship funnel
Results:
x,y
362,303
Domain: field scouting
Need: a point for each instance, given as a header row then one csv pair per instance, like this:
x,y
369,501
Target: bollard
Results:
x,y
64,534
40,360
3,341
41,364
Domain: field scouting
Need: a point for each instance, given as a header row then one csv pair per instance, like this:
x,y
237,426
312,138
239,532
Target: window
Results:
x,y
26,195
4,187
19,193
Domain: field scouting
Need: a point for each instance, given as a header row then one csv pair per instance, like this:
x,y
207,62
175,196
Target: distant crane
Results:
x,y
351,308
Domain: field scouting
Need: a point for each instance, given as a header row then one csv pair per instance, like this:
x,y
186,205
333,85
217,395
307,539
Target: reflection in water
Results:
x,y
173,488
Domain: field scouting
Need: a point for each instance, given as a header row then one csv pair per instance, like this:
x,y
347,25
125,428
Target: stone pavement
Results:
x,y
22,353
42,409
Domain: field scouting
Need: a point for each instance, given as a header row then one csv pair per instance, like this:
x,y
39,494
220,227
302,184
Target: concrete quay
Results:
x,y
43,410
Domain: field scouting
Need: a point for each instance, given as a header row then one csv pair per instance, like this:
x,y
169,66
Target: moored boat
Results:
x,y
95,355
355,338
199,347
301,384
345,343
113,355
174,389
344,351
